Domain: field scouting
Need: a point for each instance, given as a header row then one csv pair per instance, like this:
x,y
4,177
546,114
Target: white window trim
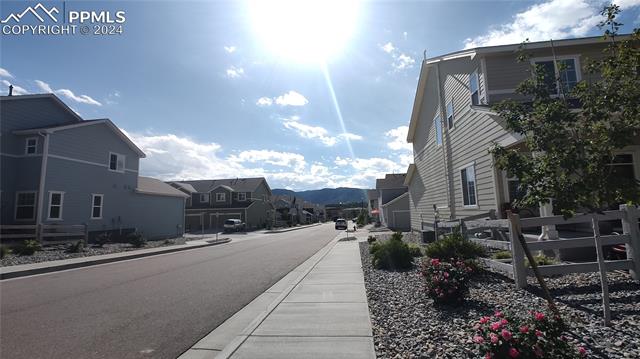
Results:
x,y
475,187
453,115
223,196
93,206
124,162
575,58
204,199
435,130
481,97
26,146
244,194
51,193
35,206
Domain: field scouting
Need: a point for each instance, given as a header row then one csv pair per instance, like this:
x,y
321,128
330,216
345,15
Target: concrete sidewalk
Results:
x,y
319,310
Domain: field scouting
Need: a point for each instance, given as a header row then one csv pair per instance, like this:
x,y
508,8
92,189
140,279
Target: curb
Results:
x,y
294,228
61,267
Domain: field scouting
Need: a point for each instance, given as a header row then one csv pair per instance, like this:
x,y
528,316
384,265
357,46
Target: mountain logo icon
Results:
x,y
39,11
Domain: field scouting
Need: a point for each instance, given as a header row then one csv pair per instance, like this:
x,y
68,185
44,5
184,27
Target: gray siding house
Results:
x,y
211,202
391,199
452,126
60,169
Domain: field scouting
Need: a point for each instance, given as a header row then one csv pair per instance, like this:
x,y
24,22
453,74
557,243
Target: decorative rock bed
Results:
x,y
406,324
57,252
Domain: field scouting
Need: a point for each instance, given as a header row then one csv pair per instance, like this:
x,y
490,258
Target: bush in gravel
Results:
x,y
454,246
4,251
136,239
415,250
446,283
393,254
502,255
102,239
541,260
371,239
77,247
539,335
28,247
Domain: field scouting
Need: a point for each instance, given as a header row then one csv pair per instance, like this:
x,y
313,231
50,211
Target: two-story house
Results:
x,y
393,201
58,168
211,202
452,126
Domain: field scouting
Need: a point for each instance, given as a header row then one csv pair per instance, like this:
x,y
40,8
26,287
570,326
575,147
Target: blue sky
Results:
x,y
212,89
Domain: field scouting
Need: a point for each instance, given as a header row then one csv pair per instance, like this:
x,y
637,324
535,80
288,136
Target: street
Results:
x,y
152,307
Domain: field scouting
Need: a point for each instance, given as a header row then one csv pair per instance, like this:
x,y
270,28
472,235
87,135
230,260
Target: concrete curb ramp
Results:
x,y
59,265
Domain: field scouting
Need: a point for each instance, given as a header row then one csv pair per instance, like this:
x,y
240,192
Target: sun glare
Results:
x,y
308,31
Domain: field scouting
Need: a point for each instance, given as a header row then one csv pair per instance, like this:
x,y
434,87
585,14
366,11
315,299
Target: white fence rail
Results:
x,y
45,233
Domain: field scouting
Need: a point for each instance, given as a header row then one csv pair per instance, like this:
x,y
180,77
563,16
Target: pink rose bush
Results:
x,y
446,282
539,335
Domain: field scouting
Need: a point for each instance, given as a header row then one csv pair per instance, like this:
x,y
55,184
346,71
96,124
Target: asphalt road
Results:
x,y
154,307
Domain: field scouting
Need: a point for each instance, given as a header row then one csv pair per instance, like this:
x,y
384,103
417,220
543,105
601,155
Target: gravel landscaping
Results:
x,y
406,324
57,252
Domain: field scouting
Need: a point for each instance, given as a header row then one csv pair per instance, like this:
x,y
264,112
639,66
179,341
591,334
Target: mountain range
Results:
x,y
327,195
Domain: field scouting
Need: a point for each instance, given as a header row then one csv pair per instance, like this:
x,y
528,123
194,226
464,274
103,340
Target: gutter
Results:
x,y
43,175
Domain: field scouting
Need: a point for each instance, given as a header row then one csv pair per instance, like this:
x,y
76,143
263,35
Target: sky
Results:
x,y
307,94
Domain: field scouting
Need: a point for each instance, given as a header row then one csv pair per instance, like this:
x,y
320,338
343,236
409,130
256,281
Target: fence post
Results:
x,y
603,271
495,234
39,237
630,227
517,253
86,235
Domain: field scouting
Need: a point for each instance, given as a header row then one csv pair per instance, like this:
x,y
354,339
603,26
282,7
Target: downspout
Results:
x,y
43,174
442,115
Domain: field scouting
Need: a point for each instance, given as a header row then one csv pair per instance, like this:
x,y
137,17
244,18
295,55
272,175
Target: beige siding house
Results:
x,y
452,125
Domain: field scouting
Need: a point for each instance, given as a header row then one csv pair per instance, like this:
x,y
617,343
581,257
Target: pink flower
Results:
x,y
582,351
446,274
524,329
435,261
538,333
478,339
484,320
539,316
494,338
488,356
538,352
495,326
506,334
498,314
513,352
504,322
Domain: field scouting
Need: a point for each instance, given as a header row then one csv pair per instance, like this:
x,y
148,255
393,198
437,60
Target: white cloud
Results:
x,y
17,90
291,98
401,61
397,138
554,19
351,136
5,73
234,72
311,132
264,101
283,159
368,169
85,99
230,49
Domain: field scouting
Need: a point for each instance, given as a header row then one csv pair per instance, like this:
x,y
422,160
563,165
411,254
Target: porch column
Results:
x,y
549,232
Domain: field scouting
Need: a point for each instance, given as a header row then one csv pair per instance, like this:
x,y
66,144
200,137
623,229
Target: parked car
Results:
x,y
233,225
341,223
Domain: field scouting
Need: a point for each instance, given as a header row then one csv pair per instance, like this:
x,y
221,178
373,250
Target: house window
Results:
x,y
513,186
242,196
96,206
204,197
438,127
468,179
450,115
116,162
220,197
563,71
25,205
55,204
474,88
622,166
31,146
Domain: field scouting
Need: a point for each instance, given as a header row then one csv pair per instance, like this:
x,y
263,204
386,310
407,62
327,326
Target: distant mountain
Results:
x,y
327,195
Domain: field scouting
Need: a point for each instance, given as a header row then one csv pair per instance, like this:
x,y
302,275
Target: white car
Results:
x,y
233,225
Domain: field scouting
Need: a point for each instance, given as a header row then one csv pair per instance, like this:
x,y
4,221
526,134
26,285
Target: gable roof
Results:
x,y
185,187
148,185
397,199
236,184
391,180
410,172
51,96
83,123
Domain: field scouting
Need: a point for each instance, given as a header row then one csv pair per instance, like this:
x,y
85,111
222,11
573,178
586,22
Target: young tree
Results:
x,y
573,133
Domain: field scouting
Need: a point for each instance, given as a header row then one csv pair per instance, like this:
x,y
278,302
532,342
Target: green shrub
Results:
x,y
28,247
391,254
4,251
77,247
103,238
541,260
415,250
454,246
502,255
371,239
136,239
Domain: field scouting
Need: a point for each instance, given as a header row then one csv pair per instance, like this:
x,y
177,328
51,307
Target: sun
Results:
x,y
306,31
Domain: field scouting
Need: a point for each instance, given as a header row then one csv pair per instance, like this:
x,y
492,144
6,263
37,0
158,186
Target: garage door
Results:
x,y
217,222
